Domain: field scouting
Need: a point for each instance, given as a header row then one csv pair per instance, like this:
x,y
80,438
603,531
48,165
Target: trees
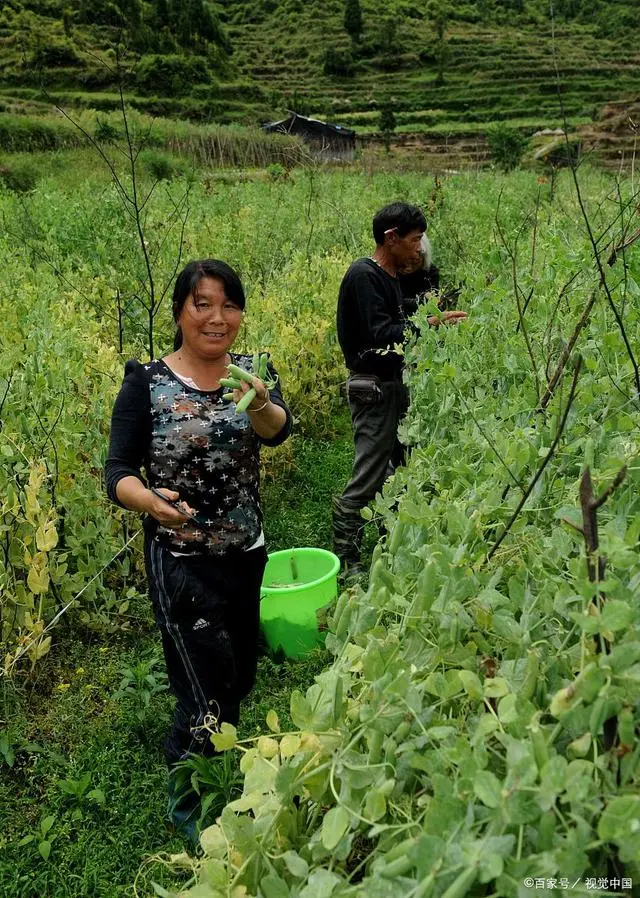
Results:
x,y
440,12
353,19
387,124
507,145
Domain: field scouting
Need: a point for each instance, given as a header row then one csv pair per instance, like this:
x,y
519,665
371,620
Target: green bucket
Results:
x,y
297,583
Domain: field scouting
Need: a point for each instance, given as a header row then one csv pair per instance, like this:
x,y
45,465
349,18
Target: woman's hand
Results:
x,y
451,317
267,418
165,513
261,398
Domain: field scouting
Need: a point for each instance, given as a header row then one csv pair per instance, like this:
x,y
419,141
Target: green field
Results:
x,y
475,719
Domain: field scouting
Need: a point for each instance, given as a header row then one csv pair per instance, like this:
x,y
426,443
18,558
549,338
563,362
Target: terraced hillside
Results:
x,y
491,73
491,64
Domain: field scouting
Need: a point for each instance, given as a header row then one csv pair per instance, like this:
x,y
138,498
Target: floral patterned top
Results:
x,y
191,441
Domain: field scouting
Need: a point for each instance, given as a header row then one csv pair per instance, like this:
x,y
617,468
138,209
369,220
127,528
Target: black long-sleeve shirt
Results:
x,y
194,442
416,284
370,317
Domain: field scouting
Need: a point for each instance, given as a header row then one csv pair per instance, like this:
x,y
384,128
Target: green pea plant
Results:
x,y
479,725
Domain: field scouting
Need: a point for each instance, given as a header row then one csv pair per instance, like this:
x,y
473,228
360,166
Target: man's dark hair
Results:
x,y
400,216
187,285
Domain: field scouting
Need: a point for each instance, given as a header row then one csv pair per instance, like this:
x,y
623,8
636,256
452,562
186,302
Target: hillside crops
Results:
x,y
478,732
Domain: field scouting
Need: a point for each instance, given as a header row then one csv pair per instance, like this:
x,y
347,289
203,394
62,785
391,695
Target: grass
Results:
x,y
69,723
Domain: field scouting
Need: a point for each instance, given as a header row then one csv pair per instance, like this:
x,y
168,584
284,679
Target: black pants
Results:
x,y
208,612
378,450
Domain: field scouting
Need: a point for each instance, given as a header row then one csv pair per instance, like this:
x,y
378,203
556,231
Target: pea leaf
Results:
x,y
334,826
274,887
616,615
272,721
471,683
226,738
300,710
488,788
296,865
375,805
620,824
496,687
321,884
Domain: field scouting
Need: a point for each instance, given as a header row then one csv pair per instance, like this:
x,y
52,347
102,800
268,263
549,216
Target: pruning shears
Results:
x,y
177,504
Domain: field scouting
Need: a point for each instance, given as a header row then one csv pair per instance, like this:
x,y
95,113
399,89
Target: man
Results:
x,y
371,327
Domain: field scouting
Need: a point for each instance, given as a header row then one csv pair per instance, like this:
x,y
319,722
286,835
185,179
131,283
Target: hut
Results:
x,y
325,140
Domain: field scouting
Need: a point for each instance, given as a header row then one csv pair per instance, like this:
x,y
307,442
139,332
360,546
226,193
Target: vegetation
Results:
x,y
212,145
480,665
353,19
477,62
507,146
387,124
479,726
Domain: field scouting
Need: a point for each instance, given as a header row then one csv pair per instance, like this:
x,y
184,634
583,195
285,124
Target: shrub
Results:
x,y
160,166
56,54
338,62
21,177
507,145
276,172
20,132
105,133
171,75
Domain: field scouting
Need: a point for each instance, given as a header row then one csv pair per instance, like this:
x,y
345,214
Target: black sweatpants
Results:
x,y
208,612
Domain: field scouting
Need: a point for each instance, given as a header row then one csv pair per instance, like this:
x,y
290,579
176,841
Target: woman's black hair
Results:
x,y
187,285
400,217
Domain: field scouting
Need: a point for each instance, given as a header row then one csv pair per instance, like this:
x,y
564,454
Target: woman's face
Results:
x,y
209,321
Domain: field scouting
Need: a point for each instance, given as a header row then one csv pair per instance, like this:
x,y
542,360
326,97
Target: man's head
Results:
x,y
399,228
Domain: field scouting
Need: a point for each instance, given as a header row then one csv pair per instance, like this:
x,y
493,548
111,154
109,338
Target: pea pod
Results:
x,y
539,745
400,850
231,382
381,576
425,592
390,747
259,368
341,616
399,867
375,746
626,727
530,676
240,373
228,397
546,831
461,885
395,540
425,888
402,731
246,400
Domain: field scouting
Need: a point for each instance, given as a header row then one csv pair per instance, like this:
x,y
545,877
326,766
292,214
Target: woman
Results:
x,y
416,283
204,545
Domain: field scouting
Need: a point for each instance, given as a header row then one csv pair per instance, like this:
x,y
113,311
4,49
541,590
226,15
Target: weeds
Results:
x,y
140,683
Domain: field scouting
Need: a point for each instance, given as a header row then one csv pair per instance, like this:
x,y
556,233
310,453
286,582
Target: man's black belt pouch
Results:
x,y
364,388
